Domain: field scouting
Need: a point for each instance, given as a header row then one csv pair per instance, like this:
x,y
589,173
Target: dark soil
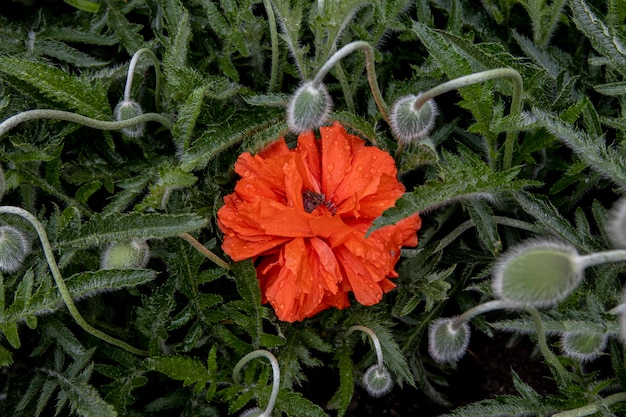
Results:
x,y
484,372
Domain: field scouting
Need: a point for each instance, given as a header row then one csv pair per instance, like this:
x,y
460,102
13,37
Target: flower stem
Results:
x,y
271,19
370,67
60,283
481,309
593,408
203,250
599,258
28,115
549,356
480,77
372,335
131,75
275,376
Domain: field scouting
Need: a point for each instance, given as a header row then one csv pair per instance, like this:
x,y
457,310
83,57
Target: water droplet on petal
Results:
x,y
330,167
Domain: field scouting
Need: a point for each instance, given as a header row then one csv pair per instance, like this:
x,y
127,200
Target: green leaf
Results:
x,y
181,368
593,150
6,357
112,228
464,176
128,33
604,39
84,96
343,397
85,5
248,288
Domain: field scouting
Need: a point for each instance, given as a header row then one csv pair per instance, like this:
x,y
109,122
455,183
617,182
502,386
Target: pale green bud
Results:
x,y
127,109
409,123
309,107
131,254
583,346
537,273
377,380
253,412
14,246
448,340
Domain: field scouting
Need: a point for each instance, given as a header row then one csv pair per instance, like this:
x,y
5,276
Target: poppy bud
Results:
x,y
309,107
448,340
537,274
377,380
134,253
583,346
409,123
13,248
127,109
253,412
616,226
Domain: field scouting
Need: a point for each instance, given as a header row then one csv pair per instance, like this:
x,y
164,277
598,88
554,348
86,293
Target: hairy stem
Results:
x,y
131,75
549,356
481,309
275,376
599,258
29,115
480,77
375,341
271,19
60,283
370,67
203,250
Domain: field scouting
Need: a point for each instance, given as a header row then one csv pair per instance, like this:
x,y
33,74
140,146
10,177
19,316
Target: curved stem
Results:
x,y
29,115
60,283
271,19
370,67
480,77
593,408
203,250
131,75
275,376
481,309
372,335
543,345
599,258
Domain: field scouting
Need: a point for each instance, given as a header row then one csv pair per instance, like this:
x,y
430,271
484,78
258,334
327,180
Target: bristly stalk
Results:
x,y
271,19
477,78
36,114
370,67
203,250
60,283
275,376
131,75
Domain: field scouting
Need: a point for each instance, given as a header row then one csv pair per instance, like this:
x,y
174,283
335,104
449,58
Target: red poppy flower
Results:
x,y
304,213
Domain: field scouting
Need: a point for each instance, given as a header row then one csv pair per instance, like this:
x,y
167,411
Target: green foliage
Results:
x,y
228,68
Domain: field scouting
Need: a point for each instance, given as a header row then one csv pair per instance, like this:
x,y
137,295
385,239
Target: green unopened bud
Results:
x,y
583,346
377,380
127,109
309,107
253,412
448,340
616,224
13,248
410,123
537,274
131,254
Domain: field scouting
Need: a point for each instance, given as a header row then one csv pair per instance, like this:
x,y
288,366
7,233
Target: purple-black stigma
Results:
x,y
312,200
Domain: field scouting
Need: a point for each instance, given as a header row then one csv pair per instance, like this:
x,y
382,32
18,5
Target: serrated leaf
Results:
x,y
465,176
181,368
128,33
248,288
85,5
611,89
65,53
593,150
603,38
87,190
112,228
343,397
86,97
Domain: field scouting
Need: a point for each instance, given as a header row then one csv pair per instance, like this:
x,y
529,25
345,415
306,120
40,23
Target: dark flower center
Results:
x,y
312,200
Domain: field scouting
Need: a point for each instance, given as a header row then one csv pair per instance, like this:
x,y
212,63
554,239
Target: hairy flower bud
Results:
x,y
409,123
127,109
308,108
253,412
377,380
583,346
14,247
537,273
447,340
131,254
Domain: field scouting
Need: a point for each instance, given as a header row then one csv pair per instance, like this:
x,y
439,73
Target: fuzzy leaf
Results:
x,y
181,368
102,229
79,94
465,176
